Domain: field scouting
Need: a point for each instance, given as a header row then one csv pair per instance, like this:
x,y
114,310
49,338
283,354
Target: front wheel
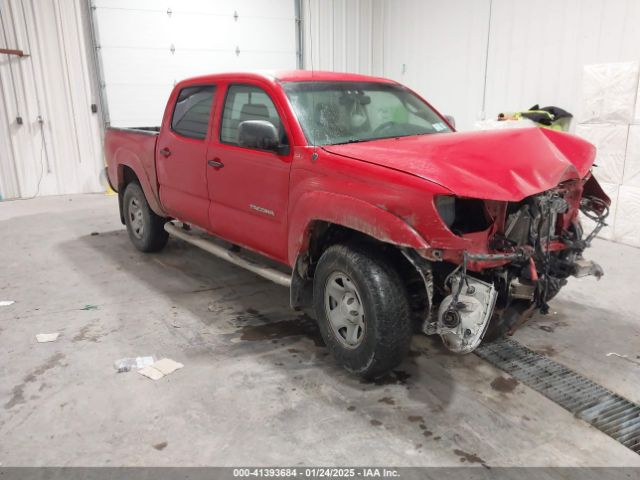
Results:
x,y
145,228
362,309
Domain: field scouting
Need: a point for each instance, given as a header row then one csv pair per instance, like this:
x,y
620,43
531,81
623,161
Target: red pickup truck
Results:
x,y
363,200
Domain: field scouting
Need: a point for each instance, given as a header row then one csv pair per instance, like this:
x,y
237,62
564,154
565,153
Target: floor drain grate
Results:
x,y
608,412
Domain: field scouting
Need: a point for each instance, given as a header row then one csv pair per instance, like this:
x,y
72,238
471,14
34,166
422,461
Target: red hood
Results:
x,y
493,165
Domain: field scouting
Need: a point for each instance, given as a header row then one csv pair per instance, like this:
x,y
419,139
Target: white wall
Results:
x,y
63,154
438,49
57,81
536,49
146,46
344,35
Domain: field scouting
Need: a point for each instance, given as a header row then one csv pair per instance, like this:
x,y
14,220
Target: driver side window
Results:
x,y
247,102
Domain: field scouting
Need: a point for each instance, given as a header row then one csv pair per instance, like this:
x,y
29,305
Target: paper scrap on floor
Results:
x,y
161,368
47,337
6,303
129,363
151,373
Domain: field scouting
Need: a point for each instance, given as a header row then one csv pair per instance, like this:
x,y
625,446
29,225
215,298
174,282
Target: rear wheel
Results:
x,y
362,309
145,228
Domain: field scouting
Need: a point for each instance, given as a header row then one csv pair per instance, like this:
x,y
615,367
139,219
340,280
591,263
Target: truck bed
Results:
x,y
143,130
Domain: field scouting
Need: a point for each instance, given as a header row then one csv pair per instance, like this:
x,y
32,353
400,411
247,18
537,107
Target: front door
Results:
x,y
181,156
248,187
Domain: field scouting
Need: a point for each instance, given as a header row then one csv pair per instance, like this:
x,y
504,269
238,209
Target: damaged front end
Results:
x,y
516,257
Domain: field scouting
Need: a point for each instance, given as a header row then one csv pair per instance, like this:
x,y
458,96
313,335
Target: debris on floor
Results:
x,y
89,307
151,373
624,357
160,368
6,303
130,363
614,354
47,337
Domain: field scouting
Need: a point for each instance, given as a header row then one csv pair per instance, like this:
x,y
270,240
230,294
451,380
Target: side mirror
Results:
x,y
260,134
451,120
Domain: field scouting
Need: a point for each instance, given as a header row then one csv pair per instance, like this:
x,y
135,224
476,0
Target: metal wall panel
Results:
x,y
145,47
536,49
438,49
435,47
61,153
344,35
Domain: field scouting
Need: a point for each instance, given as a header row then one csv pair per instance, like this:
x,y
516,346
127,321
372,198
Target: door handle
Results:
x,y
165,152
215,163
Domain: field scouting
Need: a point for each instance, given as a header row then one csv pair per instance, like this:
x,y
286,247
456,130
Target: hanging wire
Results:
x,y
596,210
463,280
44,153
43,150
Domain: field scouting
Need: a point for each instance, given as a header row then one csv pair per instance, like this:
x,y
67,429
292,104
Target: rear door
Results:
x,y
181,155
248,187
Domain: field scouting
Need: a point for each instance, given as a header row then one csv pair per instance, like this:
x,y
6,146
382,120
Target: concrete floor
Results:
x,y
257,387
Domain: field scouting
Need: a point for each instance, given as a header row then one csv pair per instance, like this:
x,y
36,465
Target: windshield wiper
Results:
x,y
354,140
360,140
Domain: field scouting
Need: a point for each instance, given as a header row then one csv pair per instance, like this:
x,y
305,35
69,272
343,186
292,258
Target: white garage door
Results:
x,y
146,46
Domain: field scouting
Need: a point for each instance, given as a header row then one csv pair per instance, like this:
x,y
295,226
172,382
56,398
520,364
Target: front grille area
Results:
x,y
608,412
535,216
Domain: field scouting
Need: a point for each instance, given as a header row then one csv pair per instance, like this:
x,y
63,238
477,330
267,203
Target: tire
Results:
x,y
145,228
358,279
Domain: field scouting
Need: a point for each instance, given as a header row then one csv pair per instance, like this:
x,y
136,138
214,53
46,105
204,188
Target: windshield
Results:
x,y
347,112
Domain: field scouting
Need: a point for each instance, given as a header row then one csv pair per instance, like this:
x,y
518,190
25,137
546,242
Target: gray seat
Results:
x,y
254,111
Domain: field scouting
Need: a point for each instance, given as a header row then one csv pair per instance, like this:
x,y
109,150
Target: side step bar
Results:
x,y
269,273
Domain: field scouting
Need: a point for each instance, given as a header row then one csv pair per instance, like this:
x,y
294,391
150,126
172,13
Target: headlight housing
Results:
x,y
446,207
462,215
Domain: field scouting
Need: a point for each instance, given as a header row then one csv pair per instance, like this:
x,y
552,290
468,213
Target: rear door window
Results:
x,y
192,111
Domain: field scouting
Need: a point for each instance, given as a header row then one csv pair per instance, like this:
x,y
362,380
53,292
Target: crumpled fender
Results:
x,y
348,212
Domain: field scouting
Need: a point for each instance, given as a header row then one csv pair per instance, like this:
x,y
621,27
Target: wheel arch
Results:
x,y
348,220
316,209
128,173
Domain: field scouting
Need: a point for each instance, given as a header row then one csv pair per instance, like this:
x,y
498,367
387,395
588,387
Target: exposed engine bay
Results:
x,y
534,246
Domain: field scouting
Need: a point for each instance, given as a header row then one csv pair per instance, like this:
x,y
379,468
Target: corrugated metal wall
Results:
x,y
62,152
536,52
344,35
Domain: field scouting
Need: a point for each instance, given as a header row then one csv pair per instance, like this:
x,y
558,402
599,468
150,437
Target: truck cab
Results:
x,y
365,202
